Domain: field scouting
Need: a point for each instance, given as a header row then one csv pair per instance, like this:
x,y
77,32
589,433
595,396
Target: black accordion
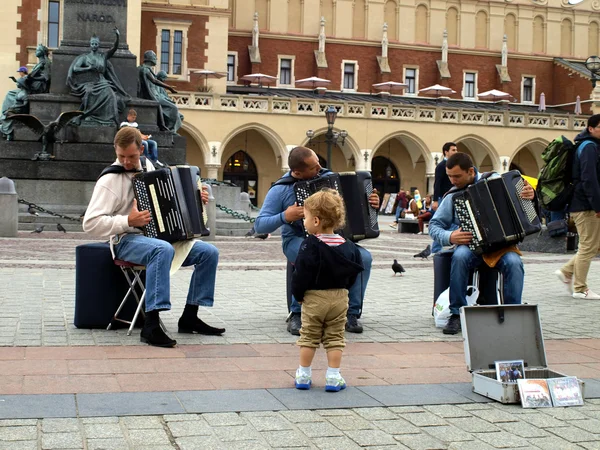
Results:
x,y
173,198
355,188
493,210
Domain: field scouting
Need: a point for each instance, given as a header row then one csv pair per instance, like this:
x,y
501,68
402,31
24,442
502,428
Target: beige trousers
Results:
x,y
324,319
588,228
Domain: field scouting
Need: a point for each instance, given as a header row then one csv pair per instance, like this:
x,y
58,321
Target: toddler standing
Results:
x,y
326,267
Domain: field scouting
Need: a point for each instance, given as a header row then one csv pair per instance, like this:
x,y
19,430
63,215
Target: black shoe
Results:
x,y
196,325
154,335
353,325
294,324
453,326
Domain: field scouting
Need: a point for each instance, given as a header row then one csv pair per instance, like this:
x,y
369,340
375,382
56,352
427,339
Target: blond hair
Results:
x,y
328,206
127,136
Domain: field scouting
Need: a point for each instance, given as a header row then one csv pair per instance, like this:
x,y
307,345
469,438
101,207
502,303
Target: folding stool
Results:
x,y
132,273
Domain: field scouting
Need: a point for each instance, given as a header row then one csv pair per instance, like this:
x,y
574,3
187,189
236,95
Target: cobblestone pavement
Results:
x,y
37,298
37,280
461,427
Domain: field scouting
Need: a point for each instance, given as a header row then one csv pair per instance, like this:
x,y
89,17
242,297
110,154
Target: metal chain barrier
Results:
x,y
39,208
235,214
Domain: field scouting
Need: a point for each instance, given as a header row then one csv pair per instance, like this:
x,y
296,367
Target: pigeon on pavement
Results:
x,y
424,254
38,229
59,227
32,211
397,268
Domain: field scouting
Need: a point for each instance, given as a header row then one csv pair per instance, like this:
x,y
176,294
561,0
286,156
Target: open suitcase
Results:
x,y
504,333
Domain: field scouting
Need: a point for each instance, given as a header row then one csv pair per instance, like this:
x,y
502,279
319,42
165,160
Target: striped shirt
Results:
x,y
333,240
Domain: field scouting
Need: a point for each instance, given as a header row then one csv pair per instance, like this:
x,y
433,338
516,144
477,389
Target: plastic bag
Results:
x,y
441,310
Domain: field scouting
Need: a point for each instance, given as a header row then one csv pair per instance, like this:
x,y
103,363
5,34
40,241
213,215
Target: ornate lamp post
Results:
x,y
331,137
593,65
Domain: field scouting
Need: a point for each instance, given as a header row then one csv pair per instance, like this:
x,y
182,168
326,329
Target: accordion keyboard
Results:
x,y
372,211
528,205
467,221
144,204
305,190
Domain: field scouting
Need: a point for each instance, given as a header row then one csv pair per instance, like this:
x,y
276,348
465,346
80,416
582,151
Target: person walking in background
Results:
x,y
442,183
585,211
402,203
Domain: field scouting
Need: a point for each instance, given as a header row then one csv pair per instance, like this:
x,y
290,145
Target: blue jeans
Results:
x,y
157,255
356,294
399,210
464,260
150,150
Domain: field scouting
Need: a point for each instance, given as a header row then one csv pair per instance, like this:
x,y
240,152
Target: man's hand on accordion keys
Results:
x,y
460,237
374,199
138,218
527,193
293,213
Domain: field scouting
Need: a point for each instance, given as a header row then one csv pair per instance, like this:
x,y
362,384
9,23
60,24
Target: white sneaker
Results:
x,y
303,380
587,295
568,282
334,383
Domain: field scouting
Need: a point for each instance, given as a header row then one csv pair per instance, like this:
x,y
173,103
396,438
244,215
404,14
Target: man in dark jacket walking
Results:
x,y
585,211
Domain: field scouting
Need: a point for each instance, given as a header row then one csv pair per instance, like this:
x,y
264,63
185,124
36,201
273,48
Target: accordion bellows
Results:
x,y
355,188
493,210
173,199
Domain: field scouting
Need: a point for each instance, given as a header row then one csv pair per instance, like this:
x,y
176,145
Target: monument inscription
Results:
x,y
89,17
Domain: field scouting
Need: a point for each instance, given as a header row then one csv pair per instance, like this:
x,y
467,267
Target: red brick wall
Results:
x,y
547,74
29,26
196,45
569,87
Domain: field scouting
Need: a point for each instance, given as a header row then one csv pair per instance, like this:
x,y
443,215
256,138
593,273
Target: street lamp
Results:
x,y
593,65
331,137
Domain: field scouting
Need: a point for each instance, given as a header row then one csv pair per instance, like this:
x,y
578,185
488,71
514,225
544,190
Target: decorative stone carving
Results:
x,y
253,49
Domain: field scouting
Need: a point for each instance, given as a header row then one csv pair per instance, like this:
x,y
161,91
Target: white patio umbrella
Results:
x,y
209,74
389,86
542,105
494,95
259,78
313,82
437,90
578,106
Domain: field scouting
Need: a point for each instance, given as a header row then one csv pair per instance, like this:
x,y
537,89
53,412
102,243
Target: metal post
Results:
x,y
329,141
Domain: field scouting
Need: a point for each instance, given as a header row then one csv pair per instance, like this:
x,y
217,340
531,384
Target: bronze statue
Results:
x,y
152,88
47,132
93,78
17,100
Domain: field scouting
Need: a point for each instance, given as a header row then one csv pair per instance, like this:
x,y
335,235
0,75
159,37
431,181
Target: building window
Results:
x,y
165,54
410,78
349,76
53,23
528,90
469,89
177,52
172,44
231,68
285,71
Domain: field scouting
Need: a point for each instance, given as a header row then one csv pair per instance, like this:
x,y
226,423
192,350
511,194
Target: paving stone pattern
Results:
x,y
431,427
38,303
